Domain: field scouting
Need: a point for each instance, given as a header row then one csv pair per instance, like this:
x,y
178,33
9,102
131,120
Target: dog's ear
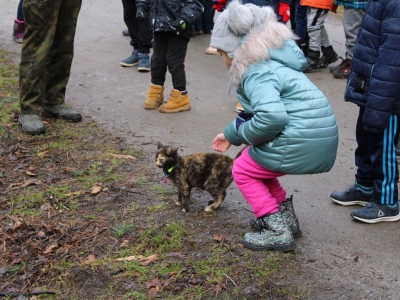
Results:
x,y
174,149
159,145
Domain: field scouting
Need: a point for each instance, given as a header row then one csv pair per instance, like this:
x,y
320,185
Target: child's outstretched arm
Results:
x,y
220,143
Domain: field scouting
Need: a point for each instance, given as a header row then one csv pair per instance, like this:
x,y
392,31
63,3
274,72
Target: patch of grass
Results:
x,y
121,230
158,207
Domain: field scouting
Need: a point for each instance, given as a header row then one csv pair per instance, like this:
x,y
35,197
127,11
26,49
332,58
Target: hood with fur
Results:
x,y
258,37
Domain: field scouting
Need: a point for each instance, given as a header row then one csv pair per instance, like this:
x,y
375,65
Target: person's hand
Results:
x,y
179,23
284,12
219,5
141,14
220,143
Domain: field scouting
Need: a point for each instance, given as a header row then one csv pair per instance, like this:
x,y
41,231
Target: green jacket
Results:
x,y
293,129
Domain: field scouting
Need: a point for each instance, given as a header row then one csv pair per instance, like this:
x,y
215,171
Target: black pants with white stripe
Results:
x,y
376,160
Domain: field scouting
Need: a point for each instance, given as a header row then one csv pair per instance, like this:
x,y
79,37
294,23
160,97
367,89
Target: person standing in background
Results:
x,y
46,59
141,36
353,13
317,10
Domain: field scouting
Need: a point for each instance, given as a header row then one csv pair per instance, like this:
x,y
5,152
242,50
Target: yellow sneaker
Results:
x,y
155,97
178,101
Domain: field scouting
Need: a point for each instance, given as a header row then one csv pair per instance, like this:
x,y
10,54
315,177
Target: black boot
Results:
x,y
312,61
303,46
328,56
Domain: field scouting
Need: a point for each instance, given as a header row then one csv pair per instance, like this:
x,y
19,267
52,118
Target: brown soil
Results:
x,y
57,237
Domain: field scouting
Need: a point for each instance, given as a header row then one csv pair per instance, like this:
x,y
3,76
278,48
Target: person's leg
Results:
x,y
208,17
351,25
35,53
314,33
176,53
58,66
159,58
19,24
20,13
260,187
158,67
129,13
384,168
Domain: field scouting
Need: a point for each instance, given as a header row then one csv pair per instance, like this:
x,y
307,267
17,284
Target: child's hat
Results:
x,y
235,22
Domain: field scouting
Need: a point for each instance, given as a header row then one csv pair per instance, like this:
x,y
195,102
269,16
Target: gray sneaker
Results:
x,y
274,235
375,213
31,124
130,61
61,111
351,196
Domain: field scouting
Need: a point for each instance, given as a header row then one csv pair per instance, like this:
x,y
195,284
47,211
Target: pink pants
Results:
x,y
260,187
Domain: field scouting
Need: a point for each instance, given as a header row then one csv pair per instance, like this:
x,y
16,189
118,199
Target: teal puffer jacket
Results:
x,y
293,129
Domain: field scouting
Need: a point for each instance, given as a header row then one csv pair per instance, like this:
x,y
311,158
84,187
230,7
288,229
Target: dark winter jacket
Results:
x,y
374,81
164,12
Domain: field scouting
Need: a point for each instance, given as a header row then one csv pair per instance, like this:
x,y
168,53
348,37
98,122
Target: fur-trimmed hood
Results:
x,y
271,40
251,34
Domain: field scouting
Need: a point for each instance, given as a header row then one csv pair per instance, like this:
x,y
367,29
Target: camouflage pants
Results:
x,y
47,52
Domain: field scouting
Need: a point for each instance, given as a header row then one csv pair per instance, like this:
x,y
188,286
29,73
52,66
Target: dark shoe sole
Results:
x,y
353,202
280,248
37,132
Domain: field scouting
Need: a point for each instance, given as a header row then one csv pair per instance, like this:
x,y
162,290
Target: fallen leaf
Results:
x,y
218,237
30,182
30,173
17,222
144,261
88,260
50,248
123,156
95,190
124,243
42,153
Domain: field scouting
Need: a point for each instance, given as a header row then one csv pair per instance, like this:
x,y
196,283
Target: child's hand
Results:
x,y
179,23
220,143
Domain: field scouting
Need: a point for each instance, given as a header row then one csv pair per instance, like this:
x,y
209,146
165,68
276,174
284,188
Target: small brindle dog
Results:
x,y
211,172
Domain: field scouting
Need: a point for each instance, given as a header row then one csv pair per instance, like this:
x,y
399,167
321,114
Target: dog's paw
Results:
x,y
184,209
178,203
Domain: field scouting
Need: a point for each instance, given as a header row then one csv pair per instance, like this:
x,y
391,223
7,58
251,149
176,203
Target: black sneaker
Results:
x,y
374,213
351,196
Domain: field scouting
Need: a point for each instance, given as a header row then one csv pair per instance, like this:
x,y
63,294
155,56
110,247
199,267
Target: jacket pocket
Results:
x,y
38,12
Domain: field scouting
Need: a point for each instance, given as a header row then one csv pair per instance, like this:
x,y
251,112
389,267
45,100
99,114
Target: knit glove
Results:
x,y
179,23
242,117
141,14
219,5
284,12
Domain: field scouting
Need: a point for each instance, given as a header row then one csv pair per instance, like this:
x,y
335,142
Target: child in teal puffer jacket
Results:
x,y
288,122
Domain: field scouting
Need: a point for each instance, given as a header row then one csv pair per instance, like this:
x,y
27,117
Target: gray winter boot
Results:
x,y
275,234
31,124
287,209
61,111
